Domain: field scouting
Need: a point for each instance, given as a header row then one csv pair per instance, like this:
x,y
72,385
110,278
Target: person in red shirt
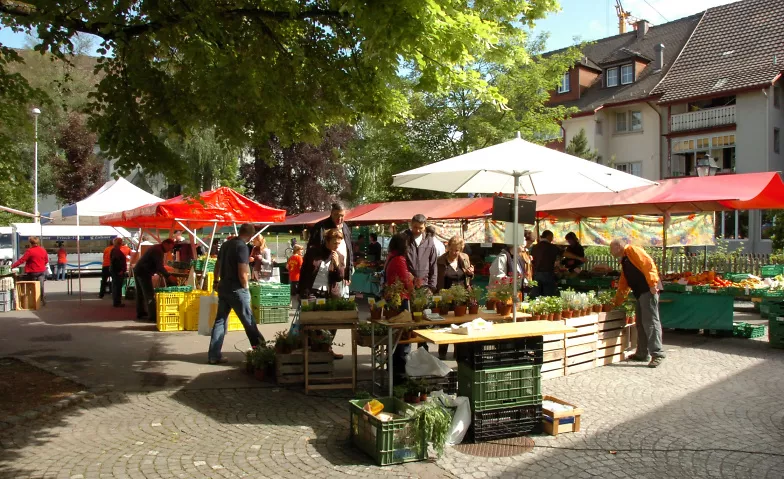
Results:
x,y
35,260
62,260
106,271
294,265
396,268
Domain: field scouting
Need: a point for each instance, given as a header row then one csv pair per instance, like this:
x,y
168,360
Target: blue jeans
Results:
x,y
239,301
547,285
60,272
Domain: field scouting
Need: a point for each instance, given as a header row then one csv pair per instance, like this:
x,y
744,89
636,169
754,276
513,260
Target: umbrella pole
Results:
x,y
209,249
514,252
664,246
79,258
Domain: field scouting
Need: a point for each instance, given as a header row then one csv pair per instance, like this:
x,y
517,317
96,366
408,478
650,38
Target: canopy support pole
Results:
x,y
79,258
705,258
212,239
263,229
235,229
192,233
514,252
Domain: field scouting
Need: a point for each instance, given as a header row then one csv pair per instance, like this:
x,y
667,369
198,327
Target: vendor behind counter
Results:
x,y
574,254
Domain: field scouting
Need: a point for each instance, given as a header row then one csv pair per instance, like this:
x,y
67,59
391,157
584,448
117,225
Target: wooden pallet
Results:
x,y
290,368
328,317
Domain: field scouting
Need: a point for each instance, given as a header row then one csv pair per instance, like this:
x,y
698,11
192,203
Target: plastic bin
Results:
x,y
270,294
771,270
505,423
169,302
504,353
391,442
169,322
501,387
271,315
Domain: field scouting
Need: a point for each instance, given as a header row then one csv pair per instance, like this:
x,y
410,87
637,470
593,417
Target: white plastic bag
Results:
x,y
206,314
422,363
462,418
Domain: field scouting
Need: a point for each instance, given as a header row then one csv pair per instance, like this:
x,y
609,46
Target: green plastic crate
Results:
x,y
735,277
776,332
271,315
771,270
500,387
270,294
391,442
746,330
674,287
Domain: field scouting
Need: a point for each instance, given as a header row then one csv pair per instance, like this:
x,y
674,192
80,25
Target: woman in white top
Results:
x,y
261,258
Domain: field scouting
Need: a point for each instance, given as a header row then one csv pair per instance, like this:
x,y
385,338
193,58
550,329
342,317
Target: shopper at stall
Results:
x,y
454,268
232,272
261,260
574,255
421,254
35,260
294,266
525,256
432,232
106,272
503,266
151,263
374,248
358,247
640,275
346,248
62,261
118,266
545,256
323,271
396,269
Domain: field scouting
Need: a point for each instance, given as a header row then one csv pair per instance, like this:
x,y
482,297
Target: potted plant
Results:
x,y
249,355
606,299
536,309
400,391
502,291
419,301
412,391
367,330
490,301
393,295
285,343
321,341
459,296
263,359
445,303
631,312
474,295
376,311
556,307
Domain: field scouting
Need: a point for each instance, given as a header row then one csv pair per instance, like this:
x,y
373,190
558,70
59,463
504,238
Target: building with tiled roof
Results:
x,y
715,99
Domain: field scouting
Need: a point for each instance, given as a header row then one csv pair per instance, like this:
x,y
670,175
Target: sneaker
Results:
x,y
655,361
639,357
221,360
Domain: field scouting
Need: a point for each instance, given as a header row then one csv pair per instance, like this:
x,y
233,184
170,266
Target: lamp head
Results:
x,y
36,111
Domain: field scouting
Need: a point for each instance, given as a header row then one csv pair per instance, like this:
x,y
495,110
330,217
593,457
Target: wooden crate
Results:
x,y
28,295
553,369
553,355
553,345
612,325
554,428
290,368
327,317
576,341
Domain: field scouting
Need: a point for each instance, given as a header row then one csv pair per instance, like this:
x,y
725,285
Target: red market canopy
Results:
x,y
403,211
222,206
748,191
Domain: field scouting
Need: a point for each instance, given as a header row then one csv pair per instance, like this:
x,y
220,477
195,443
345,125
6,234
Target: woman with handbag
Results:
x,y
261,259
454,268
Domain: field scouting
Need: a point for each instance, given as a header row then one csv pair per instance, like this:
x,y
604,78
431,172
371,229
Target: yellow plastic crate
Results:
x,y
169,322
190,320
208,282
169,302
234,321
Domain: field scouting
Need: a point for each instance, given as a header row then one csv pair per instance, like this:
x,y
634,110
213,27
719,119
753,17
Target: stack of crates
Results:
x,y
189,310
503,382
234,321
6,301
776,332
270,302
168,305
395,441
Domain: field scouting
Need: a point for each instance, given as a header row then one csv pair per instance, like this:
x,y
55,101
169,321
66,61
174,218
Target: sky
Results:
x,y
586,19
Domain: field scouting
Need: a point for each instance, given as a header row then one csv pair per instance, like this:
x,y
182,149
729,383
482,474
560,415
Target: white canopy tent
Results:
x,y
114,196
518,167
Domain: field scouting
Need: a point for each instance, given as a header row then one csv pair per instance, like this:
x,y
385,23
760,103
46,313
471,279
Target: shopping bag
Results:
x,y
207,313
462,418
422,363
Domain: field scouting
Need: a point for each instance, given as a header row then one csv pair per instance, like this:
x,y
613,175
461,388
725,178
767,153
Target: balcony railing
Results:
x,y
711,117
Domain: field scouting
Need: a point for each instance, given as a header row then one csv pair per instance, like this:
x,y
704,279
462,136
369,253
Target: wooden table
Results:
x,y
397,329
310,322
498,332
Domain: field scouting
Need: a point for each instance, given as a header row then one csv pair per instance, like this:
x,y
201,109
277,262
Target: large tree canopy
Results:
x,y
254,68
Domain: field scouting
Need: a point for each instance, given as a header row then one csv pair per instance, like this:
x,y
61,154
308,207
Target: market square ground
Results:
x,y
713,409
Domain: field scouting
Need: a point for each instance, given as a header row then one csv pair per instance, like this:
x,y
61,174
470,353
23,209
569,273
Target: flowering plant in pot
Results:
x,y
631,312
459,295
474,296
502,291
393,295
376,311
420,300
567,298
556,307
445,304
263,359
606,299
536,307
321,341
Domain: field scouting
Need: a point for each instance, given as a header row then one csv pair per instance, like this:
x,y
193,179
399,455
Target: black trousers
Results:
x,y
117,285
145,298
106,273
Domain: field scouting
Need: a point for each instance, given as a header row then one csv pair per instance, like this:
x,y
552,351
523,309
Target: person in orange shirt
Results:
x,y
294,265
62,260
106,272
640,275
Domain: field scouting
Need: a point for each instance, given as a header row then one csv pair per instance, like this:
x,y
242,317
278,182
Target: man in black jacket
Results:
x,y
118,266
421,255
335,220
150,264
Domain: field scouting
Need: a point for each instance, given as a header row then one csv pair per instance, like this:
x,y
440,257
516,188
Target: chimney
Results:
x,y
659,61
642,27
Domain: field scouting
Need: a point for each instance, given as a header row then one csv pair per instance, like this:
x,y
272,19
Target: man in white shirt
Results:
x,y
439,245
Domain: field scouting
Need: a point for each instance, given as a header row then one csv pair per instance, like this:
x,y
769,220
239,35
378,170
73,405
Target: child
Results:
x,y
294,265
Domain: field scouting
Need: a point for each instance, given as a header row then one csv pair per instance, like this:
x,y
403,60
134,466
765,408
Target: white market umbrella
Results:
x,y
518,167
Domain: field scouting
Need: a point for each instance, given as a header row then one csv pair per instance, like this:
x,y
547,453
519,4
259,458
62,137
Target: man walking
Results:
x,y
62,261
106,272
545,255
639,273
150,264
119,266
233,271
345,248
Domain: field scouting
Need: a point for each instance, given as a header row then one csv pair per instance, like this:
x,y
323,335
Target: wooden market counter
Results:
x,y
498,332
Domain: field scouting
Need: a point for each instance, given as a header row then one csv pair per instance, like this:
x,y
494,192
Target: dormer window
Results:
x,y
612,76
564,86
622,75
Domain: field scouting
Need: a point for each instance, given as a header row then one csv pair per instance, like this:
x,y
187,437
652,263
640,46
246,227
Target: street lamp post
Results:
x,y
36,112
